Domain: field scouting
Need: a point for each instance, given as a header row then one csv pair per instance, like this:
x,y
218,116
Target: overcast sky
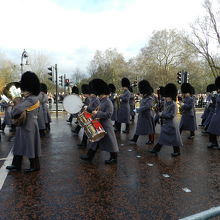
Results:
x,y
70,31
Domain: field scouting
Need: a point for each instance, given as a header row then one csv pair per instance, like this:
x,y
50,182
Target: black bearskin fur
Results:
x,y
112,88
30,82
170,90
125,82
145,87
99,87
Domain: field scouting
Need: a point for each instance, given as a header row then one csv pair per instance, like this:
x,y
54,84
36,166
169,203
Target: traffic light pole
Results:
x,y
56,75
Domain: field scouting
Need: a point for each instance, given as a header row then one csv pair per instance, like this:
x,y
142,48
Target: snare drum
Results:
x,y
94,131
84,118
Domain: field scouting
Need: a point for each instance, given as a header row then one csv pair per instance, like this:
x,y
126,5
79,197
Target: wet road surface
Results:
x,y
136,188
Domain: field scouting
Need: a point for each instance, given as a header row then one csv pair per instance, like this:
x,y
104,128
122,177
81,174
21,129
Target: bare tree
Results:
x,y
205,36
77,76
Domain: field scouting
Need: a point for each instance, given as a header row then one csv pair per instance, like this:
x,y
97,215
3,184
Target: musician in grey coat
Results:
x,y
209,89
124,108
169,134
145,122
86,93
132,104
27,138
7,118
94,102
108,142
40,116
188,119
113,98
47,117
214,126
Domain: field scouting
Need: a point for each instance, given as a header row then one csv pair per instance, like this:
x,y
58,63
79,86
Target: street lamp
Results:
x,y
24,56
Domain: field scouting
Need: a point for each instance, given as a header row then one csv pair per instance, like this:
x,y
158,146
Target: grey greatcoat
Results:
x,y
124,108
27,138
211,112
169,134
41,117
45,107
109,142
214,126
93,103
188,119
132,104
145,122
207,107
8,108
113,98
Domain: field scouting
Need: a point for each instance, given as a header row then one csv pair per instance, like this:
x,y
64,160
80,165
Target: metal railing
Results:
x,y
208,214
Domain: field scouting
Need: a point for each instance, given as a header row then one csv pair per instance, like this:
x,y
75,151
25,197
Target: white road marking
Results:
x,y
150,164
185,189
165,175
3,170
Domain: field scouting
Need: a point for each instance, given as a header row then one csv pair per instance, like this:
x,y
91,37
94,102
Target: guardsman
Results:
x,y
169,134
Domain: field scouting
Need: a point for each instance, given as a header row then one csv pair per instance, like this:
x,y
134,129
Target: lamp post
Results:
x,y
24,56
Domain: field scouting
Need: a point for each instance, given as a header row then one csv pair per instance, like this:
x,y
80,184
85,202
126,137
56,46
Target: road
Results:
x,y
140,187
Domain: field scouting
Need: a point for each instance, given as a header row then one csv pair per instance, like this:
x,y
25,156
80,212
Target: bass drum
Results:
x,y
72,104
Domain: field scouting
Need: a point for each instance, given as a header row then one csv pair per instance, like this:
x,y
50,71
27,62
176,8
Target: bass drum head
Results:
x,y
72,104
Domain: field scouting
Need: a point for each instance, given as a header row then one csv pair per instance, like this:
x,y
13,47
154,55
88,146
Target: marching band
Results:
x,y
100,111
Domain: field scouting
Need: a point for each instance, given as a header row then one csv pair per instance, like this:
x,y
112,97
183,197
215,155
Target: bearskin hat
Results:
x,y
112,88
99,87
161,90
208,88
186,88
170,90
193,90
145,87
30,83
130,89
43,88
211,88
85,89
75,90
217,82
125,82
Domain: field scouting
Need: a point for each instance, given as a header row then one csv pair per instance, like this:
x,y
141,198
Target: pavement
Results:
x,y
140,186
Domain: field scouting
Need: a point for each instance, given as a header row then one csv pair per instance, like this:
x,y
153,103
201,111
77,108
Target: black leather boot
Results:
x,y
83,144
126,129
117,127
156,149
89,156
176,151
16,163
112,159
34,165
135,138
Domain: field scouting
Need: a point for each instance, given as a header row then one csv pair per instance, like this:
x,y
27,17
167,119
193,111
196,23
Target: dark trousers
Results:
x,y
34,163
213,139
158,147
17,161
77,129
192,133
118,126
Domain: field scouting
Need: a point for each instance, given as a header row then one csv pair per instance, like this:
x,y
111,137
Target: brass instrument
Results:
x,y
11,94
180,108
11,91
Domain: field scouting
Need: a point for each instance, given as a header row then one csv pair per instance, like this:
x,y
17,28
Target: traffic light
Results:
x,y
179,77
67,82
61,80
50,73
185,77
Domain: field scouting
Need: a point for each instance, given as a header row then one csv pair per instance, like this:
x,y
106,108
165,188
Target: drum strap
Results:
x,y
33,107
